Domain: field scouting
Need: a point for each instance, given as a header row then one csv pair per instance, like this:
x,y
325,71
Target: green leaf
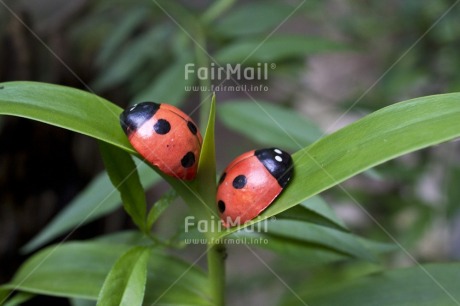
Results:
x,y
424,285
306,250
314,210
206,176
171,85
98,199
69,270
128,237
174,282
119,33
4,295
307,254
275,49
133,57
243,20
215,10
77,111
78,270
377,247
160,206
125,284
123,173
383,135
18,299
269,124
319,236
65,107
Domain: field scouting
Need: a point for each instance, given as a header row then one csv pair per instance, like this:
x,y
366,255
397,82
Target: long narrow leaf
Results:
x,y
269,124
133,57
123,173
65,107
275,49
160,206
427,285
18,299
314,210
120,33
388,133
323,237
125,284
98,199
243,21
307,253
206,176
75,110
171,86
78,270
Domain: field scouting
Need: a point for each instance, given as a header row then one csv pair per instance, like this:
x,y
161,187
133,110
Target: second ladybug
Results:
x,y
165,136
250,183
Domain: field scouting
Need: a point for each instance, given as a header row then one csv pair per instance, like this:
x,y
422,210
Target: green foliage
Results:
x,y
125,283
314,210
159,207
171,77
274,49
123,174
376,138
79,269
433,284
18,299
292,237
141,49
69,108
97,200
243,22
270,124
390,132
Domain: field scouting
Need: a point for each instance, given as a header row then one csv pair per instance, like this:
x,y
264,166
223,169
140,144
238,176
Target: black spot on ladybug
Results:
x,y
239,181
278,163
162,127
221,206
188,160
192,127
222,178
132,118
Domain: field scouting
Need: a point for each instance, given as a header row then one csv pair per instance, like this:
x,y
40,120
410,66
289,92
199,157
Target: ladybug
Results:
x,y
250,183
165,136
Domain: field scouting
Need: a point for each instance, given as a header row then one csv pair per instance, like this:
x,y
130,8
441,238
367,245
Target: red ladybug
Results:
x,y
165,136
252,182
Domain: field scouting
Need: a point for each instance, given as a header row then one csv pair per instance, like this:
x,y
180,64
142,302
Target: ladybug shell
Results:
x,y
250,183
165,136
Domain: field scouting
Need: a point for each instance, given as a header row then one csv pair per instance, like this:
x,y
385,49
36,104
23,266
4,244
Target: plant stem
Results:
x,y
216,271
216,252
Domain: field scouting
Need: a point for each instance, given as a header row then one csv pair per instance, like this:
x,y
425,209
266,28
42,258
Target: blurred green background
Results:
x,y
330,62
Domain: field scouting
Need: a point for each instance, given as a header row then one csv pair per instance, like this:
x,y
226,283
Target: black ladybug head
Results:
x,y
277,162
133,117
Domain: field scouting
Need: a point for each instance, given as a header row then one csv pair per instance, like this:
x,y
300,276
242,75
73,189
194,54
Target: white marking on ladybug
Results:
x,y
278,158
278,151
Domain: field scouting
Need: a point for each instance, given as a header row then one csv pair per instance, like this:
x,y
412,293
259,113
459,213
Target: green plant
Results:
x,y
320,259
118,269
